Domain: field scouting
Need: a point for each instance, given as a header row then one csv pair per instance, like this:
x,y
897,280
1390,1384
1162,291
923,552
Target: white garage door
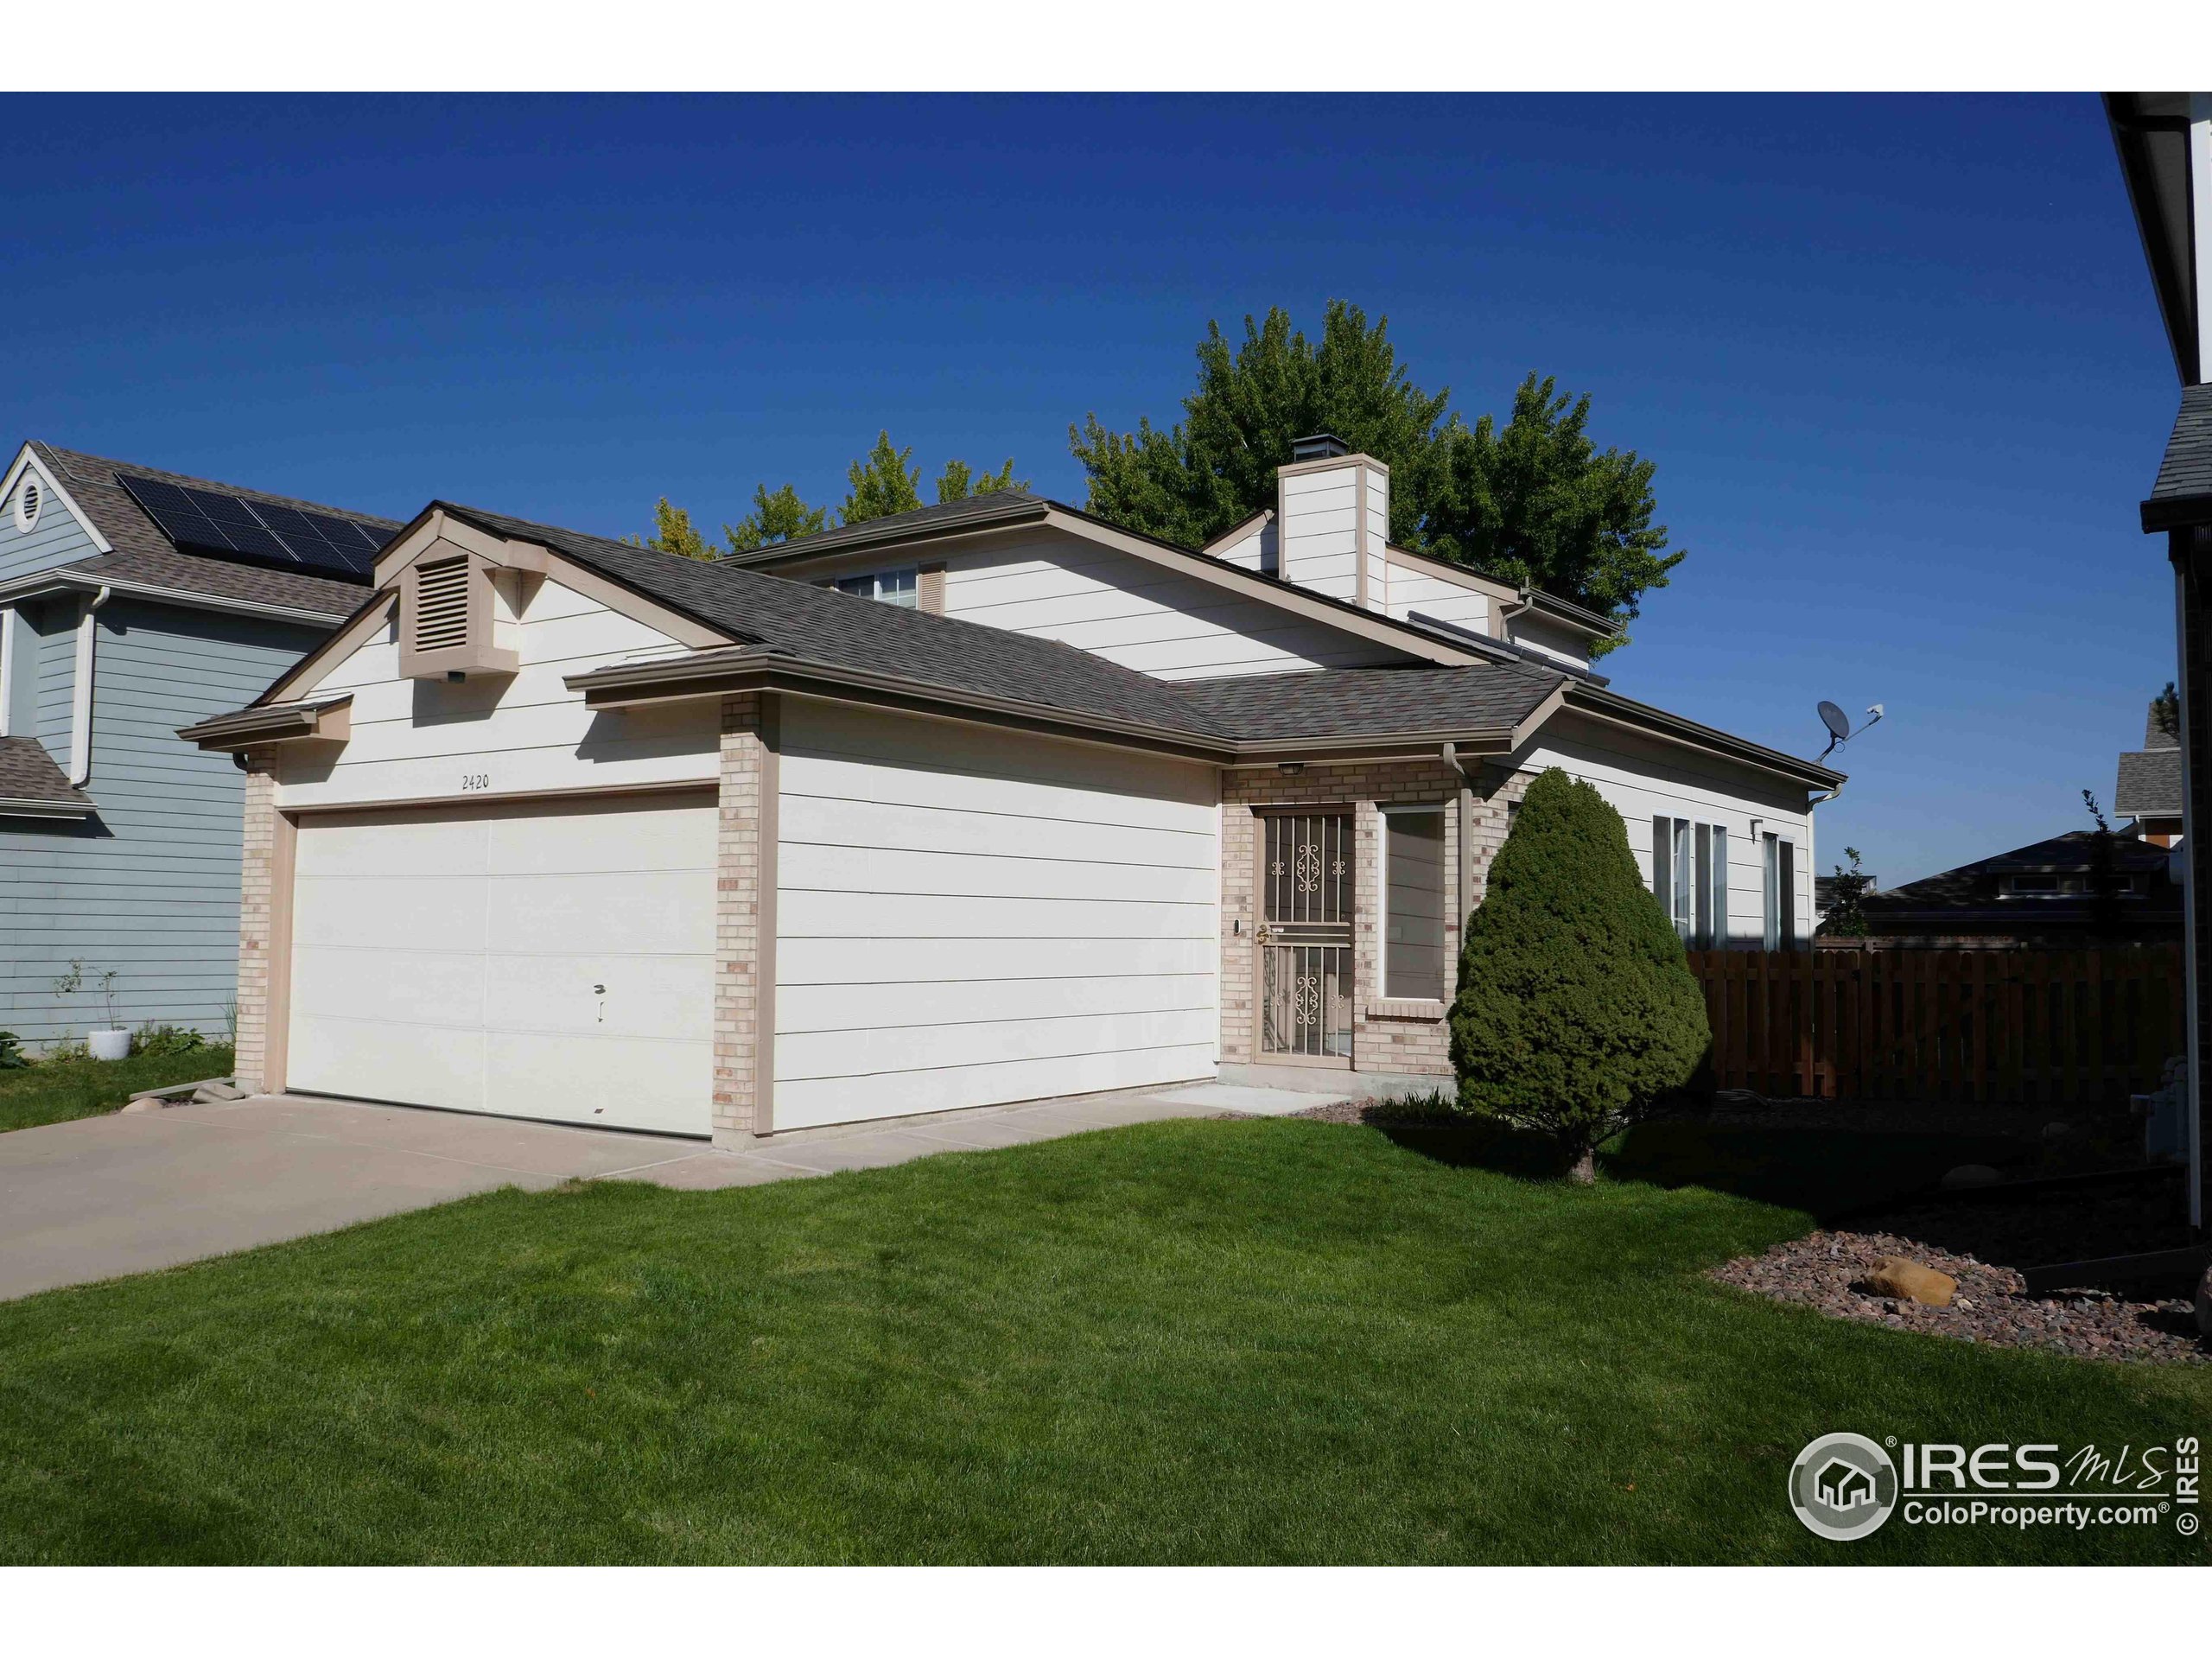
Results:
x,y
538,959
966,917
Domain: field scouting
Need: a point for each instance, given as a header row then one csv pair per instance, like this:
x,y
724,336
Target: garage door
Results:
x,y
546,960
965,916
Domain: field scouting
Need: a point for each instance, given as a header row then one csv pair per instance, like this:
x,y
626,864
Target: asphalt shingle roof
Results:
x,y
1371,702
142,554
2149,784
824,625
1974,886
998,506
27,774
2182,493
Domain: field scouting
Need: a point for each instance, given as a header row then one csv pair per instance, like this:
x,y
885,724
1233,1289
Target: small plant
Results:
x,y
64,1051
1844,918
231,1021
150,1039
12,1058
73,981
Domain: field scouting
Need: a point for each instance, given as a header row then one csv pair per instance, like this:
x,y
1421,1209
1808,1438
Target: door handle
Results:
x,y
1265,933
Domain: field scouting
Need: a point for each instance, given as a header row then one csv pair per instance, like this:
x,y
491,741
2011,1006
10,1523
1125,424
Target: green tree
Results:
x,y
2165,711
781,516
1576,1008
1538,504
1844,918
881,484
673,532
959,481
1534,502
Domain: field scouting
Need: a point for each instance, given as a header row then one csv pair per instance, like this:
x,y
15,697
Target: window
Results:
x,y
1781,893
29,500
1416,903
1690,875
891,587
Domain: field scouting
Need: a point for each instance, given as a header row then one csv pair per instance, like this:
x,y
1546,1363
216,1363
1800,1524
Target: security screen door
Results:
x,y
1304,939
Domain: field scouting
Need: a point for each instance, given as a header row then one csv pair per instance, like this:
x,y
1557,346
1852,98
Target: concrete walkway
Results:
x,y
128,1193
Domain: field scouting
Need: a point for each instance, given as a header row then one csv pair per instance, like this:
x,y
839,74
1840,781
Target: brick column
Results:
x,y
257,902
744,920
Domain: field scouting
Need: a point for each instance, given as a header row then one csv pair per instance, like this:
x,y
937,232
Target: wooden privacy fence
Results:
x,y
2031,1026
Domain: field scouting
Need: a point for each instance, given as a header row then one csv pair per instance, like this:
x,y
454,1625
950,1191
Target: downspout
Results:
x,y
80,697
1466,871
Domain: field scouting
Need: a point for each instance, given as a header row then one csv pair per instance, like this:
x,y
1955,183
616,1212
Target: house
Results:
x,y
2042,895
2165,145
131,600
979,803
1843,1485
2148,789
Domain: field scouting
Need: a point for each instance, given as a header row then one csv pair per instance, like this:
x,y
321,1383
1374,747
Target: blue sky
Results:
x,y
1897,358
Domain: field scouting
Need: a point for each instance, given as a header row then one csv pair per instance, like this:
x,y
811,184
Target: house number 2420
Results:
x,y
473,780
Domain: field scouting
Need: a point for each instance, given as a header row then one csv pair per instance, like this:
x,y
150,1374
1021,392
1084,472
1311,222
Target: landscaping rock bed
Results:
x,y
1983,1246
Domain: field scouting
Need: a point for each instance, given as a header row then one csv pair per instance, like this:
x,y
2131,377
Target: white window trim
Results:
x,y
80,692
1685,892
1406,1004
1772,910
876,580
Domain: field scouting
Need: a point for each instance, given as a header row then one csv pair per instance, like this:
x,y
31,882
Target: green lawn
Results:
x,y
59,1089
1195,1341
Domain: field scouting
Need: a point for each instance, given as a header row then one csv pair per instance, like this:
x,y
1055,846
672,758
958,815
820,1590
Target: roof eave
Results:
x,y
1602,704
2176,513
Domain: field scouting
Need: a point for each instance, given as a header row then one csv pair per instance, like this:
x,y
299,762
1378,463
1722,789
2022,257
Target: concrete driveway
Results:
x,y
129,1194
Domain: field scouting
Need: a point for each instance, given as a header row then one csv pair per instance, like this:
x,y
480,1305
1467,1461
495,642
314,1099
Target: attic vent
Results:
x,y
441,605
28,500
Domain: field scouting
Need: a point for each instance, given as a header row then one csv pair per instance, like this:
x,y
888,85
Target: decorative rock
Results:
x,y
1906,1280
2056,1131
1965,1175
145,1103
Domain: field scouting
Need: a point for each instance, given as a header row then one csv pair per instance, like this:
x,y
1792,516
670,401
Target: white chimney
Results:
x,y
1333,518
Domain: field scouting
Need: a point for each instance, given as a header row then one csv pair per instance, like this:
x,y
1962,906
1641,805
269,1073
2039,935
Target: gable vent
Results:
x,y
28,500
441,605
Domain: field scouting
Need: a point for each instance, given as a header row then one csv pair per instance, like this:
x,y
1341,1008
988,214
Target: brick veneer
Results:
x,y
257,916
744,822
1382,1040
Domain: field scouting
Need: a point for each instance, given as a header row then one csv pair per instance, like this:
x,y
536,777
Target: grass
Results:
x,y
1193,1341
55,1091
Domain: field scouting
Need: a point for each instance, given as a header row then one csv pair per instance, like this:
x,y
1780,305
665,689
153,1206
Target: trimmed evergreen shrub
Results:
x,y
1576,1009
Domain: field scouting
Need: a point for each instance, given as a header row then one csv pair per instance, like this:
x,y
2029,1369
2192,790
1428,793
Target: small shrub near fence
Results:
x,y
2032,1026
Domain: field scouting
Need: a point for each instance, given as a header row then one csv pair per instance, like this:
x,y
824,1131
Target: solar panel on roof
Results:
x,y
215,521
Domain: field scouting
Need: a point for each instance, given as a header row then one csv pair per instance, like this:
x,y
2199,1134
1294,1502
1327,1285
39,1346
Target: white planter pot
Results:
x,y
109,1044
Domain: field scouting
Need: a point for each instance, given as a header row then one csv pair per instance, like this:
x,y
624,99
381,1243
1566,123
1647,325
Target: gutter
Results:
x,y
67,581
329,720
748,668
1615,709
36,809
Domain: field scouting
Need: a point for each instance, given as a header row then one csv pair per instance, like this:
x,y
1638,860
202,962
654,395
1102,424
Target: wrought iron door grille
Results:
x,y
1306,944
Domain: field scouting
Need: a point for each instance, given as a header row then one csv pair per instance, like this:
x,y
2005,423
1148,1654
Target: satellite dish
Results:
x,y
1838,724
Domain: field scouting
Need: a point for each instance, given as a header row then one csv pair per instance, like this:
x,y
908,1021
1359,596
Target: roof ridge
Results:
x,y
63,460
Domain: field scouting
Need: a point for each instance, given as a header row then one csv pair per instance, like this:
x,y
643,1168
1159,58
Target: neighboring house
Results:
x,y
2148,789
118,843
2164,143
2040,895
564,827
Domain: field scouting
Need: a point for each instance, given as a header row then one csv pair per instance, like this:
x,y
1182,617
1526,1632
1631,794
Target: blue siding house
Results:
x,y
120,843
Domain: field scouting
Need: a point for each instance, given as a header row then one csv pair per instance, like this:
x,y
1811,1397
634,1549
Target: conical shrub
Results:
x,y
1576,1008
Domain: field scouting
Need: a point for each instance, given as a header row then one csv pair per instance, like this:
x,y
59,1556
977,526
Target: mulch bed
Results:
x,y
1983,1245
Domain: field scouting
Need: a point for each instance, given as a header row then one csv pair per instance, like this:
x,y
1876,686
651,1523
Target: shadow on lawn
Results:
x,y
1823,1171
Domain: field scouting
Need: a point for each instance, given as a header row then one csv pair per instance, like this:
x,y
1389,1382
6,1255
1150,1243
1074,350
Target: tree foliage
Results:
x,y
1533,502
880,483
780,517
2104,872
2165,711
674,533
1845,918
1576,1008
959,481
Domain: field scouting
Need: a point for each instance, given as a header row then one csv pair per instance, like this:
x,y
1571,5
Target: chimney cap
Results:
x,y
1322,446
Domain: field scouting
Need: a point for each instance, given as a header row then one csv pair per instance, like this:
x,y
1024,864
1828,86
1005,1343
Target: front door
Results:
x,y
1304,938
